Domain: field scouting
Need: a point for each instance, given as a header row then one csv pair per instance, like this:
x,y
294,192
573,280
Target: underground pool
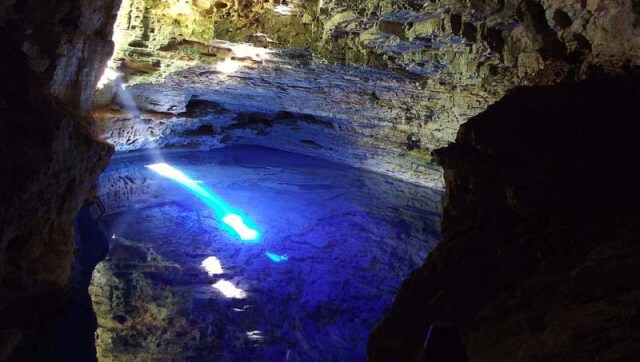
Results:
x,y
334,245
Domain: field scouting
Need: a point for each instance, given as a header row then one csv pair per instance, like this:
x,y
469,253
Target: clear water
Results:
x,y
336,244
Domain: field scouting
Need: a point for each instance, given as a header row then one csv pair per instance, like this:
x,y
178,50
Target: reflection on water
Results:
x,y
336,244
212,266
229,290
220,208
276,258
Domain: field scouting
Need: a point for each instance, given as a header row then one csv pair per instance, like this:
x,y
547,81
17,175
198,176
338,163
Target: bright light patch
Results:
x,y
237,223
173,173
180,8
228,66
240,53
229,290
108,76
212,266
284,9
277,258
244,50
223,211
255,335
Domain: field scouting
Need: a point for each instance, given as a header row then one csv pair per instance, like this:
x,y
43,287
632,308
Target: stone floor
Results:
x,y
336,244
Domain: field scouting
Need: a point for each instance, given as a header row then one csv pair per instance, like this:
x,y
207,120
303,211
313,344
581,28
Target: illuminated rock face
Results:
x,y
348,114
454,58
335,244
153,24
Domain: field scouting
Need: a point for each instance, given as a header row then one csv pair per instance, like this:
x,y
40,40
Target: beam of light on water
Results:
x,y
229,290
276,258
223,211
237,223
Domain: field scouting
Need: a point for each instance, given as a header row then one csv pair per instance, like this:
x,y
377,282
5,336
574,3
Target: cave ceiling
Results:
x,y
375,84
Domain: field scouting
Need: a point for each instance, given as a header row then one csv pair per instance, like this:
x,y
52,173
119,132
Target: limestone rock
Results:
x,y
354,115
464,55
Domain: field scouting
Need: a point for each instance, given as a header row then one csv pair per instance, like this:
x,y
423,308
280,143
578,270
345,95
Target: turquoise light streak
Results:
x,y
221,209
277,258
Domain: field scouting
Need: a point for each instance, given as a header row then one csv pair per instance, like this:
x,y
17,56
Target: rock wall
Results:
x,y
471,53
155,38
459,56
51,56
284,106
154,24
540,232
533,38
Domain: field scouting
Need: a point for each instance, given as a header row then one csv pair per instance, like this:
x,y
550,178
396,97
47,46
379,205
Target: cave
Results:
x,y
441,180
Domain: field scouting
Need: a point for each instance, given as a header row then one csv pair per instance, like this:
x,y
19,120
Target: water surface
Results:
x,y
336,244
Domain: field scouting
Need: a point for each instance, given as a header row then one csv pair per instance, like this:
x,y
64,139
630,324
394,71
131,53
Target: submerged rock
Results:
x,y
335,244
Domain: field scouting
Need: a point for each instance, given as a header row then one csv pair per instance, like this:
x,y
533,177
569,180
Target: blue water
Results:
x,y
336,244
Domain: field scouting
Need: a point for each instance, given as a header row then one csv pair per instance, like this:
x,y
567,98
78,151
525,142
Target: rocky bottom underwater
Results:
x,y
335,245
